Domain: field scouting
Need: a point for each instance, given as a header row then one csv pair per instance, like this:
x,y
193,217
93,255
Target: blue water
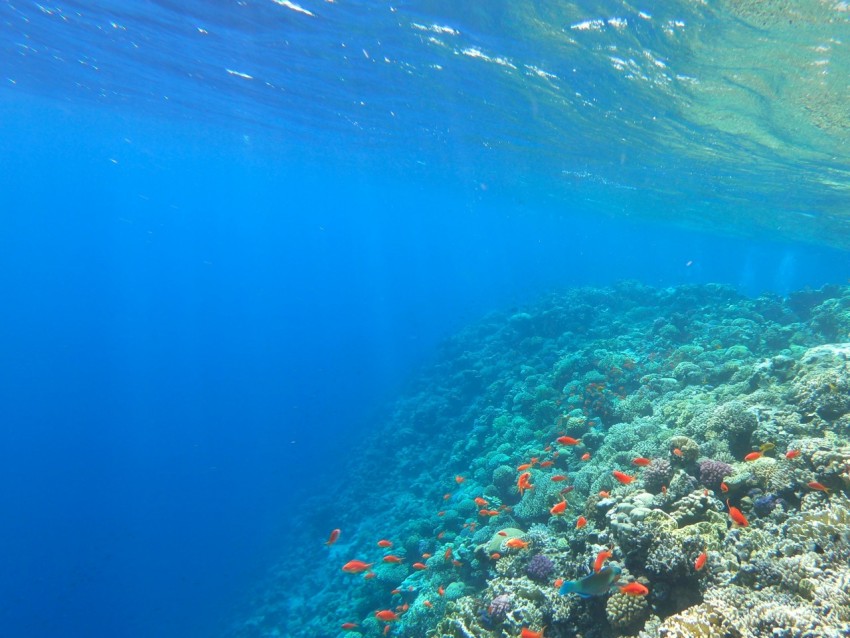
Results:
x,y
204,302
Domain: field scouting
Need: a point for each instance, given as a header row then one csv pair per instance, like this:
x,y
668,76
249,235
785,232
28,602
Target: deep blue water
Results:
x,y
201,312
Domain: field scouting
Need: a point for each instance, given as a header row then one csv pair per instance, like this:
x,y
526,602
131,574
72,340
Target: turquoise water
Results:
x,y
236,232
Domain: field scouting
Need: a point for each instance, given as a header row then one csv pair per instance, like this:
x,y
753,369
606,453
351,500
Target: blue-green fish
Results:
x,y
593,585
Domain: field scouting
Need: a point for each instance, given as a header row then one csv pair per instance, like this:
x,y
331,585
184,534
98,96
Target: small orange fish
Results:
x,y
663,489
585,456
581,521
723,487
558,582
447,496
419,566
527,633
568,440
523,467
383,543
678,452
392,559
547,463
534,460
348,625
356,566
441,534
699,563
737,517
459,479
503,533
369,575
441,513
448,554
495,555
818,486
625,479
567,489
601,557
333,538
386,630
456,563
523,484
387,615
427,603
558,508
792,454
604,493
395,591
426,556
752,456
634,589
516,543
558,478
480,502
641,461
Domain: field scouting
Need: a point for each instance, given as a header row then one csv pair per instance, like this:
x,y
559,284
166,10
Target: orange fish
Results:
x,y
356,566
723,487
663,489
441,534
558,508
427,603
447,496
634,589
820,487
625,479
585,456
735,514
441,591
480,502
426,556
678,452
641,461
386,630
601,557
527,633
516,543
523,484
441,513
534,460
348,625
386,615
581,521
448,554
558,478
392,559
547,464
558,582
333,538
369,575
523,467
419,566
495,555
456,563
792,454
503,533
699,563
395,591
568,440
459,479
604,493
752,456
383,543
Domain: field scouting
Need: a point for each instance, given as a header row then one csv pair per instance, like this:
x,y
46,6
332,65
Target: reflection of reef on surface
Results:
x,y
688,381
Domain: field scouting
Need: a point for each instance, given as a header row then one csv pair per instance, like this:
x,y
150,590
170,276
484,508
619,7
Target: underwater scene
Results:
x,y
425,319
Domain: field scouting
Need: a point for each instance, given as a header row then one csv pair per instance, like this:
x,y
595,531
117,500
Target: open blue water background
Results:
x,y
209,284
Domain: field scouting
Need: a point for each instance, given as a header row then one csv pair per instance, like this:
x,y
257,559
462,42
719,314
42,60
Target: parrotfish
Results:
x,y
594,584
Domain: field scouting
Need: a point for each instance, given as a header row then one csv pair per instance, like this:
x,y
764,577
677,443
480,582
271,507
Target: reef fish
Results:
x,y
349,625
634,589
752,456
625,479
581,522
568,440
386,615
601,557
516,543
699,563
384,543
557,478
558,508
593,585
641,461
333,538
737,517
356,566
792,454
527,633
820,487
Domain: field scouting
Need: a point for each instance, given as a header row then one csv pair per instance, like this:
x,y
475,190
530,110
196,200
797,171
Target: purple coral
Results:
x,y
499,607
656,475
539,567
712,473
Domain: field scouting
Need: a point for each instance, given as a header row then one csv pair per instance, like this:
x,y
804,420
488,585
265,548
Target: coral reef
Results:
x,y
613,425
